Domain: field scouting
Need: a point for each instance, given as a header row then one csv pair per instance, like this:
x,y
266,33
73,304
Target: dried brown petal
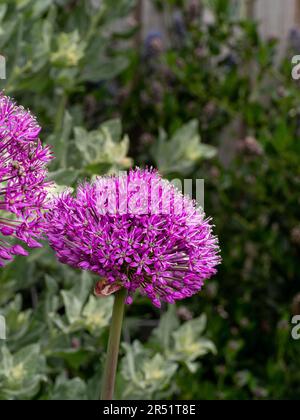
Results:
x,y
103,289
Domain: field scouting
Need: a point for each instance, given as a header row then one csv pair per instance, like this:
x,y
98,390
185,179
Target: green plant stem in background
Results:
x,y
108,382
60,112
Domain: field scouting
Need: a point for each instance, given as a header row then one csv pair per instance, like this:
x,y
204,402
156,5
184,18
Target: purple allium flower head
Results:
x,y
22,175
135,231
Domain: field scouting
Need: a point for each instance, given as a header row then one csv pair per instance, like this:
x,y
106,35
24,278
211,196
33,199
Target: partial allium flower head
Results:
x,y
22,176
135,231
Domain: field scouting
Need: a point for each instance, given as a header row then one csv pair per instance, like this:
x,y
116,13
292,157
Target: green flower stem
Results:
x,y
108,382
59,118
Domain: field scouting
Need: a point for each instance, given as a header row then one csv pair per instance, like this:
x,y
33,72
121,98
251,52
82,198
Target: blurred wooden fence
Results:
x,y
276,17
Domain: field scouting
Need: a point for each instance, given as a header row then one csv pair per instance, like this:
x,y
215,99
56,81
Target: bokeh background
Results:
x,y
198,89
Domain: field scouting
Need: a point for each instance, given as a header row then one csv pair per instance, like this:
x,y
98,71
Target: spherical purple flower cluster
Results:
x,y
135,231
22,176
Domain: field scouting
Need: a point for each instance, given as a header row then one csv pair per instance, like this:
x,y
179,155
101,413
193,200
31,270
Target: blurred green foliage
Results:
x,y
210,102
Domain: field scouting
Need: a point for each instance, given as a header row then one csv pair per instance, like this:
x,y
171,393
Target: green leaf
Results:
x,y
167,324
103,146
104,69
64,176
73,306
189,344
145,375
73,389
182,151
75,298
21,373
70,50
17,321
97,313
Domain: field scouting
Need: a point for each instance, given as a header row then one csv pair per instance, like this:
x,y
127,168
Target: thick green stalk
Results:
x,y
108,382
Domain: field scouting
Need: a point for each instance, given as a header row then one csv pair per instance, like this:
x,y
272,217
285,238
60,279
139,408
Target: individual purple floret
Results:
x,y
22,175
135,231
